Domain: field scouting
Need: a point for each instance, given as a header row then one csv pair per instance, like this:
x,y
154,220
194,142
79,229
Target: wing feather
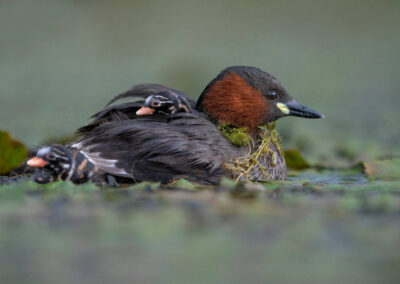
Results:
x,y
187,145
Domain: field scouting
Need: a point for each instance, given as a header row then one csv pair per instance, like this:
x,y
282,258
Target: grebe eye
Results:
x,y
272,94
51,156
155,103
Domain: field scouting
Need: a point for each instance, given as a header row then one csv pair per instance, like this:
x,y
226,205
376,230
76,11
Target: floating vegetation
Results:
x,y
295,160
12,152
383,169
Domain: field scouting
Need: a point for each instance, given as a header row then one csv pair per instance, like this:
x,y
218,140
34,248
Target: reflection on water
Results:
x,y
331,177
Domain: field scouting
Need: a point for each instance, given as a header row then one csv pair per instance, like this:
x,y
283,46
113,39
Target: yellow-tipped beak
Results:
x,y
283,108
293,108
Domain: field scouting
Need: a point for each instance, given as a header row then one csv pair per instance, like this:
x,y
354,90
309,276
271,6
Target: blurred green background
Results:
x,y
61,61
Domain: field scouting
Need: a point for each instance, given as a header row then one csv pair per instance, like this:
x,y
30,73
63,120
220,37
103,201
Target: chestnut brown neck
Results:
x,y
232,100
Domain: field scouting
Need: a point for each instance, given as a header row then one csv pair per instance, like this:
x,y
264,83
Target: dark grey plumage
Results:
x,y
185,145
180,146
58,162
166,147
128,110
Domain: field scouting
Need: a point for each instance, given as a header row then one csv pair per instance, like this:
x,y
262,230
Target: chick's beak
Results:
x,y
293,108
145,111
37,162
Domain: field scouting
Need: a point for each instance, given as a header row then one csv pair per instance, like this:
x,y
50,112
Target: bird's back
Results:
x,y
157,148
168,147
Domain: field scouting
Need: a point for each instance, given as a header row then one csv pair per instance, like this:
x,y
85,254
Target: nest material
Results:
x,y
266,137
238,136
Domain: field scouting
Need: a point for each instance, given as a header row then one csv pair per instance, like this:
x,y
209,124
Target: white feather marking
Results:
x,y
147,101
65,166
160,97
77,145
72,169
43,151
107,165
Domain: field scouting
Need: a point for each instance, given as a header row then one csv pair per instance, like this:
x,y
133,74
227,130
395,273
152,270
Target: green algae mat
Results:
x,y
317,227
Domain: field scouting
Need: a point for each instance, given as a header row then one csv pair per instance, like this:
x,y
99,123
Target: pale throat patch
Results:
x,y
283,108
